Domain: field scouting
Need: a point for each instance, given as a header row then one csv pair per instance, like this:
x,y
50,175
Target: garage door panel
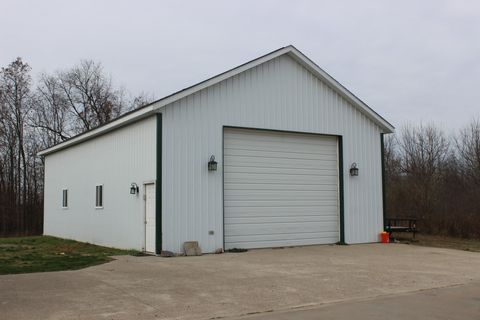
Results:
x,y
275,186
279,228
325,236
278,139
275,203
278,143
279,189
279,171
236,177
282,197
279,194
279,147
282,242
281,160
242,136
279,155
284,219
283,211
245,161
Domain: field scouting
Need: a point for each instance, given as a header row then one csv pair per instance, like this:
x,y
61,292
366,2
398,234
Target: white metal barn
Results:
x,y
284,136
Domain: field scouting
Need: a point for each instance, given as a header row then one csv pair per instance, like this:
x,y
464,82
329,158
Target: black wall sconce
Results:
x,y
134,188
354,170
212,164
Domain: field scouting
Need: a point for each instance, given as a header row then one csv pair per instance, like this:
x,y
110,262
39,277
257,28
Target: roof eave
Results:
x,y
156,105
119,122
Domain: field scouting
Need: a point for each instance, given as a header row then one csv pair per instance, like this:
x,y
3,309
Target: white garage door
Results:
x,y
281,189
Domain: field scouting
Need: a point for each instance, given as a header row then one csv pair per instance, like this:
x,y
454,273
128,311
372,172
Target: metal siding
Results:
x,y
280,95
115,160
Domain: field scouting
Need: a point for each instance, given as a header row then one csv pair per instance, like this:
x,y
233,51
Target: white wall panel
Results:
x,y
115,160
278,95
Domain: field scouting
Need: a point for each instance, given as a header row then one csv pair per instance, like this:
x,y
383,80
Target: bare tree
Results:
x,y
51,114
392,157
90,96
424,151
76,100
432,179
15,82
141,100
468,149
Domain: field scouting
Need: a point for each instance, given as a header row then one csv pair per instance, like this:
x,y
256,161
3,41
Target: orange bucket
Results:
x,y
384,237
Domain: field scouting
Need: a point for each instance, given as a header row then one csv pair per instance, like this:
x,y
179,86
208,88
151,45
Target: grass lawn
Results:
x,y
45,253
440,242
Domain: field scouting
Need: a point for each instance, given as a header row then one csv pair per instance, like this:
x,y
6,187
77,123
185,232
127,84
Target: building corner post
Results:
x,y
384,199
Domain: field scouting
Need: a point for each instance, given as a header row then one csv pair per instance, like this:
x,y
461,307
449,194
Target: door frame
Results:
x,y
341,178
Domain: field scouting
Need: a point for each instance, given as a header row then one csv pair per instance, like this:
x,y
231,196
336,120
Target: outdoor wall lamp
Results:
x,y
354,170
134,188
212,164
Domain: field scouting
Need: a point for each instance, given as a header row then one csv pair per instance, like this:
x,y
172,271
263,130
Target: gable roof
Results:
x,y
153,107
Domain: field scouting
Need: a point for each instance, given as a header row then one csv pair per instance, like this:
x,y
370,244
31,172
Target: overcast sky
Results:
x,y
411,61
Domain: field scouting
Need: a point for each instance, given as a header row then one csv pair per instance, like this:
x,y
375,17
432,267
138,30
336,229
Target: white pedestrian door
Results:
x,y
150,218
281,189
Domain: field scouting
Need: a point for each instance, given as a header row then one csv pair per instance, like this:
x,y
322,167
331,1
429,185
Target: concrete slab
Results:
x,y
233,284
460,302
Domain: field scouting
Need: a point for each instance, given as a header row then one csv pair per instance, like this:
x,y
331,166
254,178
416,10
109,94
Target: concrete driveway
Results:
x,y
234,284
459,302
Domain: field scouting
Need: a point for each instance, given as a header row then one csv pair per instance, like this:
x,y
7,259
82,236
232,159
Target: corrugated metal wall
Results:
x,y
115,160
278,95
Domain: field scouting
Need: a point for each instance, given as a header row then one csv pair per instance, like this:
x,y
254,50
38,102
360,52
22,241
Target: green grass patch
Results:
x,y
45,253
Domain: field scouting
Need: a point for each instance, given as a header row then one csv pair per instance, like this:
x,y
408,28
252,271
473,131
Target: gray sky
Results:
x,y
409,60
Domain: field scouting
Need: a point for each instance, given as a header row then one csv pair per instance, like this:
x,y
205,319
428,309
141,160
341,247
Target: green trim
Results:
x,y
341,191
340,174
158,188
384,198
223,186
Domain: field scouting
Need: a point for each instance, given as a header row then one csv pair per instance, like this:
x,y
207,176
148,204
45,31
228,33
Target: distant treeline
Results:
x,y
435,178
36,116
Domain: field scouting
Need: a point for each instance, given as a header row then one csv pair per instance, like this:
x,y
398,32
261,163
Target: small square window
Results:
x,y
99,196
64,198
